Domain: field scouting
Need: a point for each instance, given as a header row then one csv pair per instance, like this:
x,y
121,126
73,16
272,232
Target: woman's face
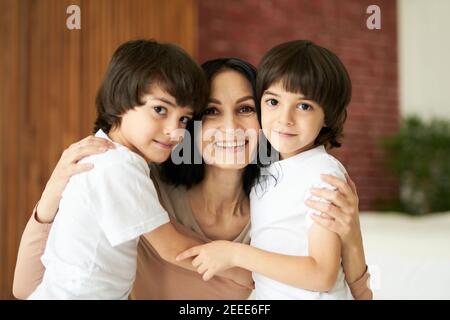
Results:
x,y
230,124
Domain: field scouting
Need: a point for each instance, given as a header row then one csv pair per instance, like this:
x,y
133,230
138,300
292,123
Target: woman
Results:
x,y
207,201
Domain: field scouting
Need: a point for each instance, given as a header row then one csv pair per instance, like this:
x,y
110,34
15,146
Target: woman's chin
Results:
x,y
228,164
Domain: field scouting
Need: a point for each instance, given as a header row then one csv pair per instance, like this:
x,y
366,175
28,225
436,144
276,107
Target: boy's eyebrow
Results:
x,y
301,97
163,100
189,113
271,93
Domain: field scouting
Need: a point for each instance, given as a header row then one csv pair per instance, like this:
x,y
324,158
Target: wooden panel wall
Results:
x,y
48,80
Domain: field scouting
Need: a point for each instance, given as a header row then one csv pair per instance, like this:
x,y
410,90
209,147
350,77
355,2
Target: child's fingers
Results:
x,y
194,251
208,275
201,269
196,262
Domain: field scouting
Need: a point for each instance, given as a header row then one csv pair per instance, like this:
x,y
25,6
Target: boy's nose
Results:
x,y
286,117
174,130
170,127
177,135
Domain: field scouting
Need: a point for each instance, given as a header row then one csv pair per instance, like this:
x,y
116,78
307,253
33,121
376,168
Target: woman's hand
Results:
x,y
67,167
211,258
341,215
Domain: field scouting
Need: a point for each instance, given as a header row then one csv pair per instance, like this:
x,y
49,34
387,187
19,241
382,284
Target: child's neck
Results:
x,y
284,156
116,136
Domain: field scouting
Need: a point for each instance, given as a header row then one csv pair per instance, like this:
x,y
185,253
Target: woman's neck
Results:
x,y
221,191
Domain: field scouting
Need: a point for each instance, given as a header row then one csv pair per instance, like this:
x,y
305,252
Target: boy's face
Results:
x,y
154,129
290,122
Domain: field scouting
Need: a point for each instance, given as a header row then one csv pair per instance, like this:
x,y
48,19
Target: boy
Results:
x,y
304,91
149,93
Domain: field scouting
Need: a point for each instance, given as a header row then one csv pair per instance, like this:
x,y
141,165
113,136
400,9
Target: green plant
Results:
x,y
419,155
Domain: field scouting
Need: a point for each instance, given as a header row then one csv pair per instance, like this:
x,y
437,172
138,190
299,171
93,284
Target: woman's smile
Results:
x,y
231,146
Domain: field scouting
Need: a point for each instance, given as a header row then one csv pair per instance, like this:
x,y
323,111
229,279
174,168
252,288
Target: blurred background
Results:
x,y
397,136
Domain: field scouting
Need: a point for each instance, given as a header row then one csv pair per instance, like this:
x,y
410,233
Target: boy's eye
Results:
x,y
185,120
246,109
210,112
272,102
304,107
160,110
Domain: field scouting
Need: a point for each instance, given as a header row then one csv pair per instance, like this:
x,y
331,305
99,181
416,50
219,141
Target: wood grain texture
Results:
x,y
49,77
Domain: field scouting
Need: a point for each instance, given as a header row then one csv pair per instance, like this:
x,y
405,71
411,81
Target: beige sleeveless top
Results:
x,y
158,279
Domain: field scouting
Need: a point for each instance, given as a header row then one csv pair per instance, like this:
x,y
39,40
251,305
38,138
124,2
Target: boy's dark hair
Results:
x,y
317,73
189,174
136,65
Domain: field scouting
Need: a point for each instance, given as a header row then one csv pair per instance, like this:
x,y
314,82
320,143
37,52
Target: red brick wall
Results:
x,y
248,28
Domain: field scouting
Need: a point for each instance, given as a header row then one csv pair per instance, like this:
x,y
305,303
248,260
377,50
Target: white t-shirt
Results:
x,y
92,246
281,220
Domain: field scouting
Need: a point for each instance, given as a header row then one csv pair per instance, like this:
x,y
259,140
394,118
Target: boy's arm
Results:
x,y
168,242
317,272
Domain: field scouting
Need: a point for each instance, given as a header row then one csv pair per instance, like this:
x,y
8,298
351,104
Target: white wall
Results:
x,y
424,57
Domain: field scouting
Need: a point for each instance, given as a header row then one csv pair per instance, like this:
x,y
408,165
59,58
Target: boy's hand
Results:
x,y
211,258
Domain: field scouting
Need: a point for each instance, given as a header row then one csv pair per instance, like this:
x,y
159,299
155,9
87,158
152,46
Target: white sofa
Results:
x,y
408,257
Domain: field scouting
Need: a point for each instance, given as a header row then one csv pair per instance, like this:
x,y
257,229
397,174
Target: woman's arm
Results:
x,y
29,269
316,272
342,217
66,167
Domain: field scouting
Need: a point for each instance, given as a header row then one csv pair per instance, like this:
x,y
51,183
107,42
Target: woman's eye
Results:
x,y
246,109
272,102
210,112
304,107
160,110
185,120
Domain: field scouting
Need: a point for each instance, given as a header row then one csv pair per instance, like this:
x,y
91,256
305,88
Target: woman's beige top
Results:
x,y
155,278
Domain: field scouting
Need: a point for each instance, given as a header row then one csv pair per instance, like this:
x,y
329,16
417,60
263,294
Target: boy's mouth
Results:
x,y
284,134
167,146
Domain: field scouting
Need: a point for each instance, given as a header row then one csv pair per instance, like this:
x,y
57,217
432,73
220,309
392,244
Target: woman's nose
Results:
x,y
229,122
